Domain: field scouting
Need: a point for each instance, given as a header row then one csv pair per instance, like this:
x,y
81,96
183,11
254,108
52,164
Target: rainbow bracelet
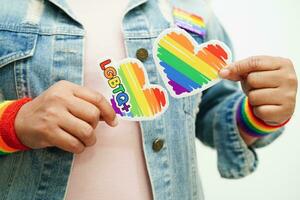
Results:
x,y
251,124
9,142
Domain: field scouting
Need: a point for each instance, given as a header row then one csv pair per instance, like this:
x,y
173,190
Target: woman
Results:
x,y
43,42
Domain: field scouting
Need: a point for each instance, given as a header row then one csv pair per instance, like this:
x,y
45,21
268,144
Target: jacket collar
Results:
x,y
133,4
63,5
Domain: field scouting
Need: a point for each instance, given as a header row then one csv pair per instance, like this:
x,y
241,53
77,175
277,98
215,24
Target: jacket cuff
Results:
x,y
262,142
235,158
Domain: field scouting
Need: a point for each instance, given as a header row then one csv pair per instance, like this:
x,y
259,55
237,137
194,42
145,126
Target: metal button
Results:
x,y
142,54
158,144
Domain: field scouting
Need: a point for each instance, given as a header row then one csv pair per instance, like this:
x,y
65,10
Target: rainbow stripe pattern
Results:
x,y
9,143
185,66
137,99
189,21
252,125
4,148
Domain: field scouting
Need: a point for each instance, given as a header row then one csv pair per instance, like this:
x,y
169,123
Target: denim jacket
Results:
x,y
41,42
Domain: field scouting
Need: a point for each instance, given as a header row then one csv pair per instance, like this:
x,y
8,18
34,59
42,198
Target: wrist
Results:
x,y
251,125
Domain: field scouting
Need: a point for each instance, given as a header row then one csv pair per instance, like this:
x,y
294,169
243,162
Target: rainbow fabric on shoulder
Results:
x,y
189,21
251,124
9,142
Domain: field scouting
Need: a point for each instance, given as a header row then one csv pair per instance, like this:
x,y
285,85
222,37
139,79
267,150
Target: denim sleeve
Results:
x,y
216,124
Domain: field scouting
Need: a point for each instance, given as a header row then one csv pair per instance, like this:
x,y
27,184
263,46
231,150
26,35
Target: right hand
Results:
x,y
64,116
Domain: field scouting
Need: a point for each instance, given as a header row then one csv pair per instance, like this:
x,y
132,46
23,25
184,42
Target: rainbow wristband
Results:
x,y
9,142
251,124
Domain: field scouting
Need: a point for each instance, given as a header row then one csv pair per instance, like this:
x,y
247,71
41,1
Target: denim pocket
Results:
x,y
16,45
142,40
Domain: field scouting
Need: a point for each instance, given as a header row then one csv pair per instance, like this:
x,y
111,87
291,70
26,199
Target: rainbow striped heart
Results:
x,y
132,96
185,66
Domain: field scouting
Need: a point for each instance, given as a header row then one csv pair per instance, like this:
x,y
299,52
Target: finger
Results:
x,y
240,69
106,110
271,114
78,128
266,96
225,73
65,141
246,88
264,79
84,110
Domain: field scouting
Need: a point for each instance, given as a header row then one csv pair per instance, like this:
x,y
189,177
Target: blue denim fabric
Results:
x,y
41,42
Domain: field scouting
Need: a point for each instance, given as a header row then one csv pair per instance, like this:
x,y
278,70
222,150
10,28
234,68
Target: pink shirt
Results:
x,y
114,168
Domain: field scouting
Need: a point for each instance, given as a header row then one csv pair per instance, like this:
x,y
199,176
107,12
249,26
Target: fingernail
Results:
x,y
115,122
224,72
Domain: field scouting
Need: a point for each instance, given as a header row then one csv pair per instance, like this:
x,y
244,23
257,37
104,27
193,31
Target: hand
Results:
x,y
64,116
270,84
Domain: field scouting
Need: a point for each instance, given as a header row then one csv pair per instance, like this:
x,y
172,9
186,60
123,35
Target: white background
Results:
x,y
270,27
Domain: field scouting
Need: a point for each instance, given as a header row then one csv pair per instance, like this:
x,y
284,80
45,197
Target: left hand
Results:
x,y
270,84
